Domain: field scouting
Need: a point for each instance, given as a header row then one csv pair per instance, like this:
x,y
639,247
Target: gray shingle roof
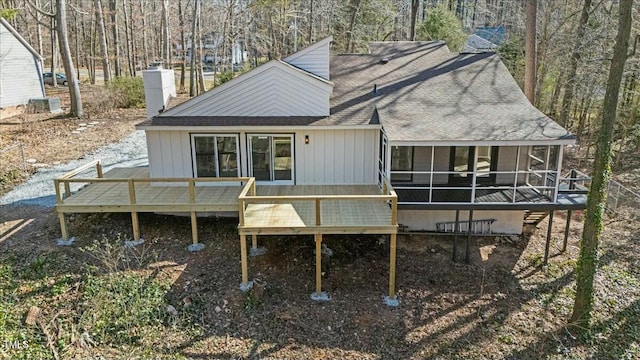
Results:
x,y
426,93
423,93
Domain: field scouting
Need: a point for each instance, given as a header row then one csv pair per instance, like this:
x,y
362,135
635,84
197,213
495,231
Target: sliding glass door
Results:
x,y
271,158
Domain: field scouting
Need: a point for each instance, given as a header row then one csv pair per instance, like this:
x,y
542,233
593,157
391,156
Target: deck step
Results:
x,y
534,217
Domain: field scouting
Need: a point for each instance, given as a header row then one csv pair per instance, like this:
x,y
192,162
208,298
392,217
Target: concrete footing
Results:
x,y
246,287
391,302
196,247
257,251
63,242
133,243
323,296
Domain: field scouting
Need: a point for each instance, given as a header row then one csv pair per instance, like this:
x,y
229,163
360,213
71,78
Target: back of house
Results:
x,y
453,133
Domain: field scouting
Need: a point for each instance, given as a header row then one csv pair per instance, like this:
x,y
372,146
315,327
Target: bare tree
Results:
x,y
530,51
102,34
60,17
113,9
576,54
587,262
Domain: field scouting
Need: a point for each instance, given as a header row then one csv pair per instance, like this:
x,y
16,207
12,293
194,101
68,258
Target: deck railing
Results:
x,y
69,178
541,182
248,196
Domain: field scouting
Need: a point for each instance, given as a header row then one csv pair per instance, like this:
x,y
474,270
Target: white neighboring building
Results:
x,y
20,69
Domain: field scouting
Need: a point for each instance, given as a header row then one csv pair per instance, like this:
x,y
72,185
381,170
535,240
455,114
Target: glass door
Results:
x,y
271,158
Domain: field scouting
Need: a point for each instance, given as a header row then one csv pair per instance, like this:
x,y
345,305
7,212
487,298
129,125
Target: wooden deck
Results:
x,y
342,209
112,194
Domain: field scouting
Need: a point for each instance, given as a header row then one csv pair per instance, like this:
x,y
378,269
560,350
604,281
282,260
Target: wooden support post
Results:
x,y
254,241
134,214
467,257
318,264
67,189
136,226
318,212
548,244
392,267
243,259
566,231
455,236
63,226
99,169
194,227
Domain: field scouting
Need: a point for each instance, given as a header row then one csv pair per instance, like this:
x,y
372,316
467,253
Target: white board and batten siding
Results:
x,y
20,69
273,89
314,59
332,157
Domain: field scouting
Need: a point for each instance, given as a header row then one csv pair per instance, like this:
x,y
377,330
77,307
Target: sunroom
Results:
x,y
475,173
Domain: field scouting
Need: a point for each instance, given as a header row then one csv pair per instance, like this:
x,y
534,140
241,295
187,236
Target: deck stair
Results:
x,y
534,217
482,226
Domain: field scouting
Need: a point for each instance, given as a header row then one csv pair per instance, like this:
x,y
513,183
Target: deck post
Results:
x,y
246,284
455,236
255,250
548,243
195,245
134,214
566,231
63,226
467,254
392,299
319,295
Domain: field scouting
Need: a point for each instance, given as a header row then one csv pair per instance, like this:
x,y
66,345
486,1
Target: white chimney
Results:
x,y
159,88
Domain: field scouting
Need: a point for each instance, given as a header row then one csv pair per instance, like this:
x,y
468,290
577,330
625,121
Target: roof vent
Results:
x,y
375,89
384,60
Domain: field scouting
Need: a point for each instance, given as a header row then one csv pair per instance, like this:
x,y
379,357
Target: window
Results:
x,y
401,160
462,160
215,155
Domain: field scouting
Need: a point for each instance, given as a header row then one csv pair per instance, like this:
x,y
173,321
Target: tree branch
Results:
x,y
36,8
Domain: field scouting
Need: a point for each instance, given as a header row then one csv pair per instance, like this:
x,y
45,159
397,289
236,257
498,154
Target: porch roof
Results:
x,y
423,92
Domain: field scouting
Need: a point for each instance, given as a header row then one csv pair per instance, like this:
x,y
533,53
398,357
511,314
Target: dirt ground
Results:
x,y
505,303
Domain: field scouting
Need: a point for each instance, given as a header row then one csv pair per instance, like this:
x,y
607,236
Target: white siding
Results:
x,y
331,157
169,154
336,157
507,221
20,71
273,89
314,59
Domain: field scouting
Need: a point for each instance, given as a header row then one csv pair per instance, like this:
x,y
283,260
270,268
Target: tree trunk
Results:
x,y
183,44
145,49
166,41
576,54
530,52
127,40
65,51
54,52
414,15
102,35
587,262
194,53
355,8
113,8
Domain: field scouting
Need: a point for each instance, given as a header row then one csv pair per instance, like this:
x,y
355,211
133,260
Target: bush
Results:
x,y
127,92
442,24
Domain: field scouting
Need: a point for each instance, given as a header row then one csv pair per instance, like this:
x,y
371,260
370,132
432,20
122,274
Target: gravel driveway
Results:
x,y
39,190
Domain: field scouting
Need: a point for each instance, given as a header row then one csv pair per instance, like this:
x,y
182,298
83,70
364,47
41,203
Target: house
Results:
x,y
408,136
484,39
20,69
451,132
